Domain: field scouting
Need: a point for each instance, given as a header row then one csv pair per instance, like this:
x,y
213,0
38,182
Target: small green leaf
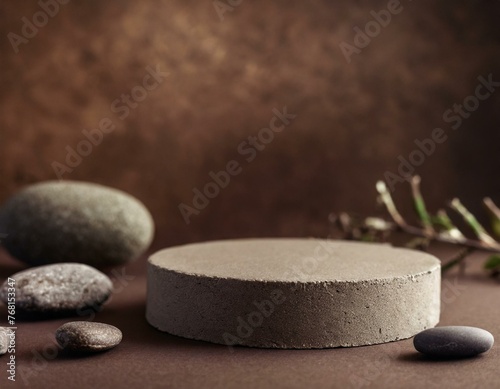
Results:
x,y
494,213
419,204
422,212
442,222
418,243
493,262
495,225
448,229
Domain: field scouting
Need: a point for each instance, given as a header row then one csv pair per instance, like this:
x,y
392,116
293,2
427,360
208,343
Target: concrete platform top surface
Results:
x,y
292,260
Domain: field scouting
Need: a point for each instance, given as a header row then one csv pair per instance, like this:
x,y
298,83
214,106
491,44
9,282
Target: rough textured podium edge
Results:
x,y
299,315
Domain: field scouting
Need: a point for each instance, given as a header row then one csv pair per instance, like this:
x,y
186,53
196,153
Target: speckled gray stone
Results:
x,y
453,342
4,341
86,337
60,221
59,289
293,293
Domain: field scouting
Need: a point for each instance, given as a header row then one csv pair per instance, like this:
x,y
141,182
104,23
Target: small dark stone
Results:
x,y
87,337
53,221
4,341
58,290
453,342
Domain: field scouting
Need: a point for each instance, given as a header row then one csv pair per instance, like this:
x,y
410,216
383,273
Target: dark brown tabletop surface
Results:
x,y
147,358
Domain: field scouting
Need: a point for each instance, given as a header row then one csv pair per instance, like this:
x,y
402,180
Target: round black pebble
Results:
x,y
453,342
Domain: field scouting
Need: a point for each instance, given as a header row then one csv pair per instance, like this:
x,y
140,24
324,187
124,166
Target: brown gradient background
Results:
x,y
225,77
353,120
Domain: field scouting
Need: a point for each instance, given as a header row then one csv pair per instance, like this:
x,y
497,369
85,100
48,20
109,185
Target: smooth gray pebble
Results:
x,y
61,221
59,289
453,342
4,340
87,337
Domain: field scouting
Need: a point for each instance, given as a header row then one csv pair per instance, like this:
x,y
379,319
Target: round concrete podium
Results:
x,y
292,293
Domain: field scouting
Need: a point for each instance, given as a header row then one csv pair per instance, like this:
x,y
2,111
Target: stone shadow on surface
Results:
x,y
416,357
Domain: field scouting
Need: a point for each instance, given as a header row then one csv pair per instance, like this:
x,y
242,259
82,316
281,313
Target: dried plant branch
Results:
x,y
454,237
434,228
471,220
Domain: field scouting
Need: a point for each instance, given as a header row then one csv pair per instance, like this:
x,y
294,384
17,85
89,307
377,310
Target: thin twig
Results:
x,y
471,220
491,206
419,204
475,244
438,228
494,212
386,198
401,224
459,259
